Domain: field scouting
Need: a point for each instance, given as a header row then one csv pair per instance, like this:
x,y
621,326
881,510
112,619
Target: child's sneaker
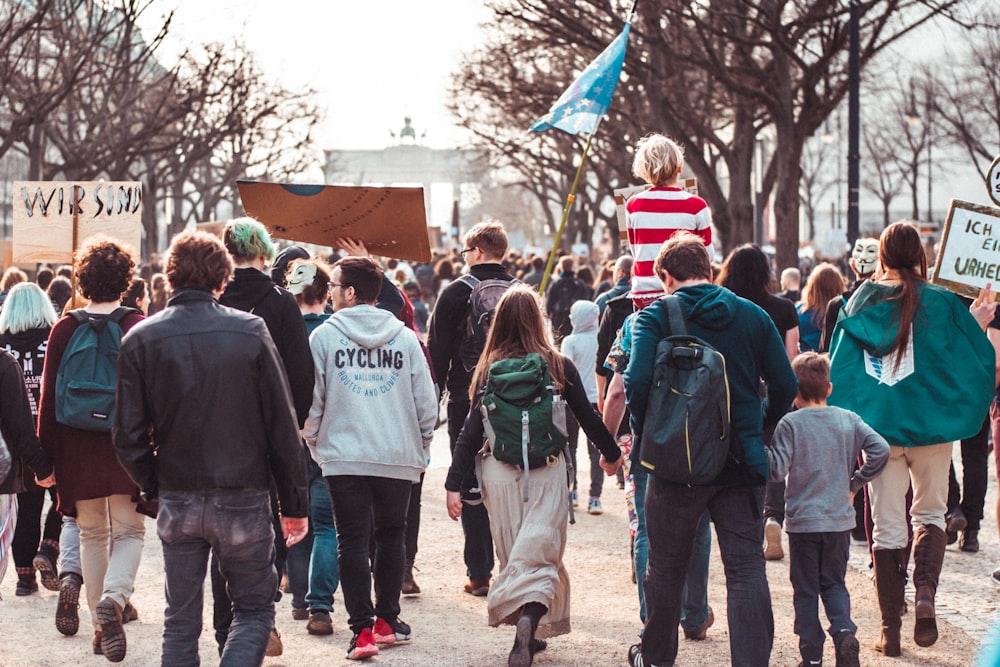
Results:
x,y
390,632
362,645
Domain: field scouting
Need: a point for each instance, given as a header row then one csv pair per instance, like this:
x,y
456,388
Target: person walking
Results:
x,y
184,434
916,365
25,322
369,429
528,509
485,247
817,447
744,334
93,485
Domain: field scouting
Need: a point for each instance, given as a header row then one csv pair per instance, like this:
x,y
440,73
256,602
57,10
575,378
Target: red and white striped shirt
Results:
x,y
652,217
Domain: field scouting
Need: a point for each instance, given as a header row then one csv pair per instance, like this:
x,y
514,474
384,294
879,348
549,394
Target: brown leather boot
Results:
x,y
409,584
928,555
890,579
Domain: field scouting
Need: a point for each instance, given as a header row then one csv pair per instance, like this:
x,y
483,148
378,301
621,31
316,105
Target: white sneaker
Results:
x,y
594,506
772,540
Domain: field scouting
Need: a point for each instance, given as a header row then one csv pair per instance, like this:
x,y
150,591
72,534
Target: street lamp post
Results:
x,y
853,123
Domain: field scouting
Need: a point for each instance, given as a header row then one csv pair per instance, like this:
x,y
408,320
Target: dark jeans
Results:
x,y
673,514
596,473
364,507
222,605
694,607
817,564
236,526
475,518
313,574
28,533
774,501
972,496
413,520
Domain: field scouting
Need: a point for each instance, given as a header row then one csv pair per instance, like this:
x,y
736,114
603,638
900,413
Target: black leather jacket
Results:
x,y
203,404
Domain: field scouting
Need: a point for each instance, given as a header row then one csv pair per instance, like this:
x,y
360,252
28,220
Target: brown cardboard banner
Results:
x,y
45,213
392,222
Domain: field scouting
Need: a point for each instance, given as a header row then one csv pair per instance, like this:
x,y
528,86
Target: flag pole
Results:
x,y
565,214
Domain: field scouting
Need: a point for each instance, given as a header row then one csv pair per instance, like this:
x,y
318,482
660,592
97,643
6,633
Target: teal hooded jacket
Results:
x,y
940,392
748,339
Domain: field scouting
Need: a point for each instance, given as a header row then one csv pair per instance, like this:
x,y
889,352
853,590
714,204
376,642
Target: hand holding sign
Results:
x,y
984,307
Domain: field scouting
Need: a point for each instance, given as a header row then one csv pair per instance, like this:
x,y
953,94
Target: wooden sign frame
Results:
x,y
969,240
52,218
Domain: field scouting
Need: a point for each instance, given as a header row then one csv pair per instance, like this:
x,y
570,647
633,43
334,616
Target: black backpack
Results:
x,y
482,303
686,433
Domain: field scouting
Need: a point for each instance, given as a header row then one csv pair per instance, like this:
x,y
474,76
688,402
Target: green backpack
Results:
x,y
524,419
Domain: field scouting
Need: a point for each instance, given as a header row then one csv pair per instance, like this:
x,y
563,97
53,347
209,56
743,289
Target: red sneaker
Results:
x,y
390,632
362,645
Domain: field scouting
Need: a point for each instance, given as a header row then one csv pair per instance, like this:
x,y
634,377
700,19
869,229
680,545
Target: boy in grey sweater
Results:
x,y
817,446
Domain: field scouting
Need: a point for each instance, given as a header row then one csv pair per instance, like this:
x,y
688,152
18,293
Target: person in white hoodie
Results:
x,y
581,348
372,444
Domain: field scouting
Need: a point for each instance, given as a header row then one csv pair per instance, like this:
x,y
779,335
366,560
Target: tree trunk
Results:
x,y
786,197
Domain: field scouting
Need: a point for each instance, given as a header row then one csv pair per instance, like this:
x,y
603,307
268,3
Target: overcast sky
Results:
x,y
372,61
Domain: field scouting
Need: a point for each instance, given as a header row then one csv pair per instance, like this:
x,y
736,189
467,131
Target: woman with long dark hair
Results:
x,y
917,366
746,272
532,588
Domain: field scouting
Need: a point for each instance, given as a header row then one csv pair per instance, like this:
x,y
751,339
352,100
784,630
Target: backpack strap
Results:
x,y
469,279
675,316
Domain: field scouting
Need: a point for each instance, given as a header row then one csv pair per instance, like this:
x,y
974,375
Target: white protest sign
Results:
x,y
52,218
969,256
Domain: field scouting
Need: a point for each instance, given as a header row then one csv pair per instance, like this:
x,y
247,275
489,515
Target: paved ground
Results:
x,y
966,596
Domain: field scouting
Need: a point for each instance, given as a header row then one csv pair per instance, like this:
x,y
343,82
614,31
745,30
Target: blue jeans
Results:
x,y
694,609
817,564
475,519
313,575
673,514
237,526
364,507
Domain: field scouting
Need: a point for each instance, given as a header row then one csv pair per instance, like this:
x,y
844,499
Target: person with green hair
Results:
x,y
252,290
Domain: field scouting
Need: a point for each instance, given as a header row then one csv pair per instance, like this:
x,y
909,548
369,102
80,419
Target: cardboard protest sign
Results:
x,y
52,219
622,195
392,222
969,256
214,228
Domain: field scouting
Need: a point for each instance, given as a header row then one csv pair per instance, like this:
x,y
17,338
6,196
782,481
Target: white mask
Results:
x,y
864,257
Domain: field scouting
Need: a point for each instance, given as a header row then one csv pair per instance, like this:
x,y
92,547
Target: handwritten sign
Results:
x,y
622,196
993,181
46,212
392,222
969,256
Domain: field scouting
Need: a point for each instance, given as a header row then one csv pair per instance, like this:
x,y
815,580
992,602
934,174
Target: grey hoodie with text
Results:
x,y
374,405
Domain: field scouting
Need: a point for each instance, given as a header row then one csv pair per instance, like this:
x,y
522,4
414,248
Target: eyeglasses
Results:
x,y
467,250
332,285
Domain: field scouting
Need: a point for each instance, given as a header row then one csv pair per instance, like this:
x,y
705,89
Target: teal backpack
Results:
x,y
85,381
524,419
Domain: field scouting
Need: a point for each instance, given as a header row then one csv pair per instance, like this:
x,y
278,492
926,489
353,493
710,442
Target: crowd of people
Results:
x,y
273,410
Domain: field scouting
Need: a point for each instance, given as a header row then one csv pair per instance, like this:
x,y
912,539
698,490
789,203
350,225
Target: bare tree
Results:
x,y
881,171
817,179
712,75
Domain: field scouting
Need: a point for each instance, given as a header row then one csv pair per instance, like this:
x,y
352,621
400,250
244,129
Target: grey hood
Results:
x,y
368,326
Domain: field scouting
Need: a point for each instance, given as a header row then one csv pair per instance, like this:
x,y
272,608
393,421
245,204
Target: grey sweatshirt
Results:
x,y
374,404
817,449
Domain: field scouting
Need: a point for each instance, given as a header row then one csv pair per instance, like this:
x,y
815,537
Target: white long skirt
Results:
x,y
530,539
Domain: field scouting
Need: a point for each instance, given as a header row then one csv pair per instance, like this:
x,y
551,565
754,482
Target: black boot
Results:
x,y
26,584
890,580
928,556
525,645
